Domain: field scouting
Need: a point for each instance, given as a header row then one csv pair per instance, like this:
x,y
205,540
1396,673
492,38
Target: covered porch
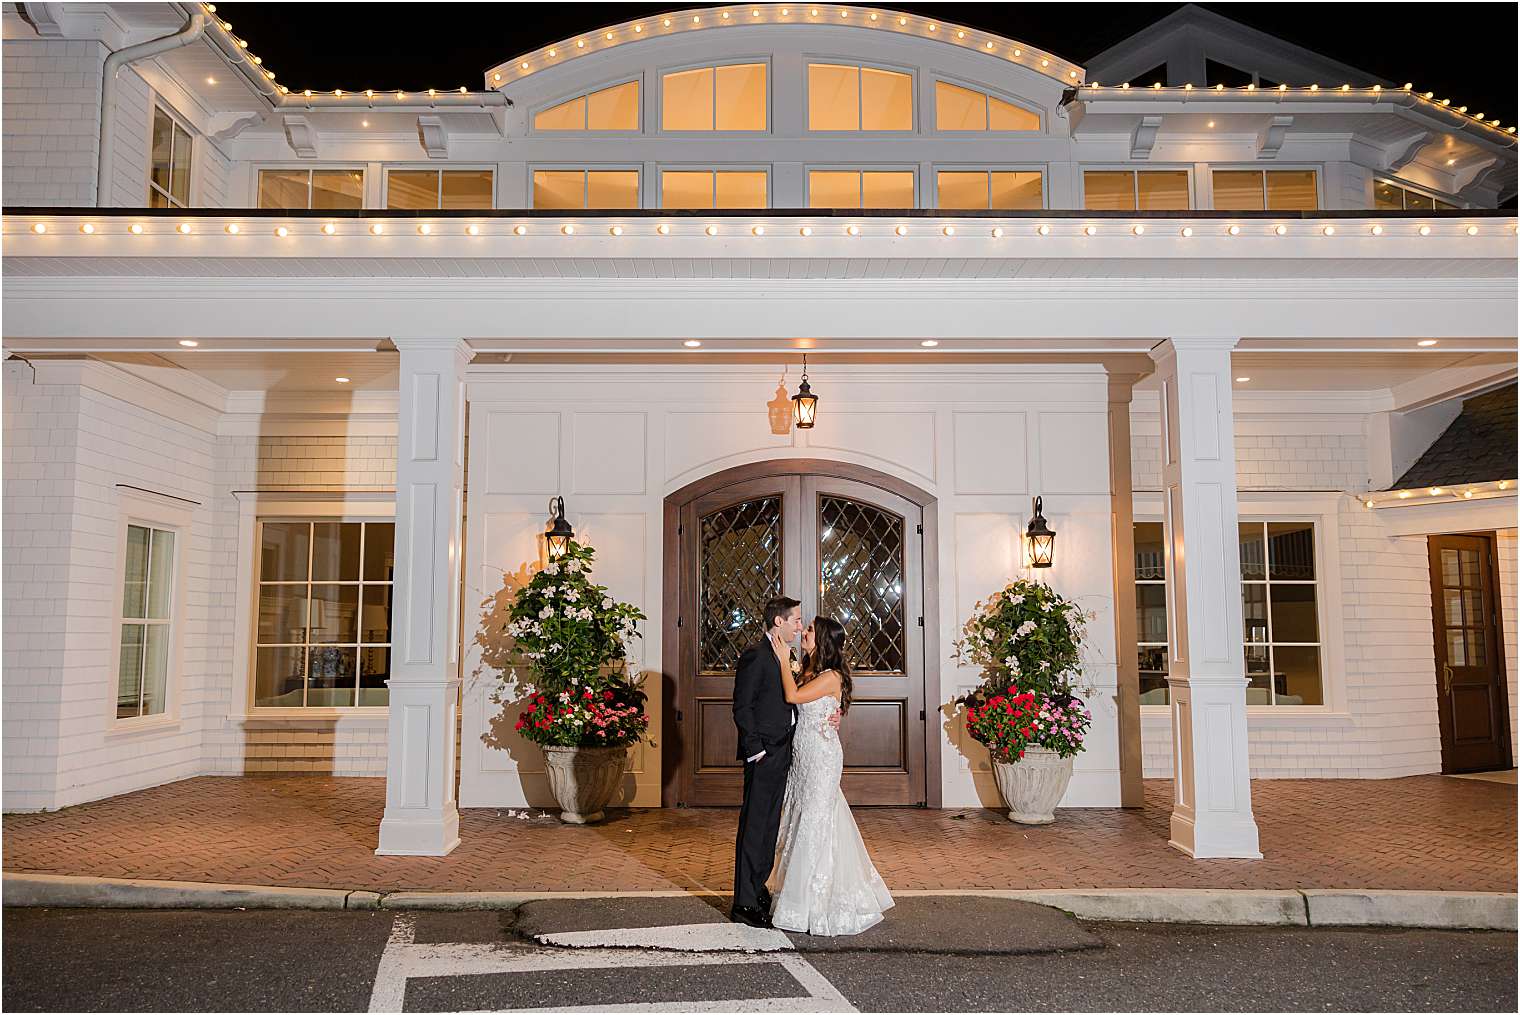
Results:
x,y
434,330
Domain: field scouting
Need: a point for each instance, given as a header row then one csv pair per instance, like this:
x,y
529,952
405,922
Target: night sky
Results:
x,y
1464,51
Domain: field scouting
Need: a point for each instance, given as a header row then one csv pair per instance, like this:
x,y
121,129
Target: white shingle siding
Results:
x,y
51,109
1508,560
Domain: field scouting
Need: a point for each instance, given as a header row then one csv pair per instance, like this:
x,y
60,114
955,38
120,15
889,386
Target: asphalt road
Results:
x,y
134,960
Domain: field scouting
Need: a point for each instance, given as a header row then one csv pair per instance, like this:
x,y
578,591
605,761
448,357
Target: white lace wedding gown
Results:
x,y
823,881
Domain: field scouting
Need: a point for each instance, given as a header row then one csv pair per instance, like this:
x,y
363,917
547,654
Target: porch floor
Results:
x,y
1426,832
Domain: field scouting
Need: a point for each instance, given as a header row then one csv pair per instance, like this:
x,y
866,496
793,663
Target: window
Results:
x,y
844,97
957,108
614,108
1150,611
854,188
1278,595
1279,610
730,97
1265,190
147,635
1389,196
713,188
311,188
324,614
442,189
169,173
1004,189
564,189
1123,190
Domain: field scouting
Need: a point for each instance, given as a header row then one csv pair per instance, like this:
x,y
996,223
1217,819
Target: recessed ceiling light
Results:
x,y
1426,343
341,380
929,343
692,343
188,343
1241,380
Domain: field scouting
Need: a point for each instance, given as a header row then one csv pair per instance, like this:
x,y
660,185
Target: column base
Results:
x,y
418,836
1215,839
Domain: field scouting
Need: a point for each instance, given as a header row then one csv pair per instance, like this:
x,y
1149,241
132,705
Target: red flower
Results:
x,y
532,708
520,724
607,695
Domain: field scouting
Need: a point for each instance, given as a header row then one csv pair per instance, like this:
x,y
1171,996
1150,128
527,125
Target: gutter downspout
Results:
x,y
193,30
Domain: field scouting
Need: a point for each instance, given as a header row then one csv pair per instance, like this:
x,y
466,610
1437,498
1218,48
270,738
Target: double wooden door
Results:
x,y
846,549
1470,692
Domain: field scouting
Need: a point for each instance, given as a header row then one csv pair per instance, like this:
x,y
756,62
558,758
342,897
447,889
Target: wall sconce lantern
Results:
x,y
559,535
1042,541
804,402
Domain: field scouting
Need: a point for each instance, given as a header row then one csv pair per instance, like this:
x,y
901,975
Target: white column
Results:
x,y
1211,814
421,808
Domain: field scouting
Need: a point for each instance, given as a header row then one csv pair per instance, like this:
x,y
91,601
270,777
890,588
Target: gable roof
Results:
x,y
1478,447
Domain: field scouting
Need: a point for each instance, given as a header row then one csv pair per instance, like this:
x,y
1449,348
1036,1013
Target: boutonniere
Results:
x,y
796,666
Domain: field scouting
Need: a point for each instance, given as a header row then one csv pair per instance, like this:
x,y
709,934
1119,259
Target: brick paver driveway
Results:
x,y
1427,832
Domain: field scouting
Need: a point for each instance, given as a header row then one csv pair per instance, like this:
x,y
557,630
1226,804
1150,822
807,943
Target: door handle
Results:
x,y
1446,672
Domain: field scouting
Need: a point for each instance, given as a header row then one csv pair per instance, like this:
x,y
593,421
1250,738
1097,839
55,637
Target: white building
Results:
x,y
272,355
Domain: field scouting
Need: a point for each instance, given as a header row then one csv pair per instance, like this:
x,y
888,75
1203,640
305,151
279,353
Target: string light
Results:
x,y
188,343
472,229
805,231
997,232
1328,230
1377,230
712,230
328,229
520,230
901,230
281,232
567,229
852,230
949,230
233,229
135,229
1280,230
663,229
1090,230
377,229
758,230
1187,231
1233,230
424,229
1043,230
1472,230
616,230
87,228
183,228
1424,230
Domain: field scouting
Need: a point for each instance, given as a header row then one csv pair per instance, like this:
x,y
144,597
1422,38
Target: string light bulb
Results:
x,y
424,229
1472,230
901,230
328,228
805,231
1043,229
663,229
281,232
616,231
183,228
758,231
233,229
1377,230
520,230
852,230
472,229
1138,230
1090,230
949,230
997,232
1424,230
1328,231
712,230
87,228
1187,231
567,229
135,228
1280,230
1233,230
377,229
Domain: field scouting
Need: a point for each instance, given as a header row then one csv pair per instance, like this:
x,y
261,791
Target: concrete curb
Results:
x,y
1216,907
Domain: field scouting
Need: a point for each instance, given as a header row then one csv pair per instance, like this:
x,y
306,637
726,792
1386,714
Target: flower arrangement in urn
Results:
x,y
1027,640
583,707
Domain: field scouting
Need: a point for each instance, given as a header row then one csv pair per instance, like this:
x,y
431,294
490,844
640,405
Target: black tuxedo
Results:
x,y
765,723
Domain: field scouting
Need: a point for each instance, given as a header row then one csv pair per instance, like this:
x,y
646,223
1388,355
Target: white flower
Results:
x,y
1044,664
572,595
1024,629
546,613
552,569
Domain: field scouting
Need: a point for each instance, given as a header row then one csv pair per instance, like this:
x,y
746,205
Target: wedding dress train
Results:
x,y
823,881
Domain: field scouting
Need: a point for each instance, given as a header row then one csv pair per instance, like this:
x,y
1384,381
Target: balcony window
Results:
x,y
169,173
578,189
730,97
850,98
1389,196
1123,190
852,188
958,109
1265,190
996,189
438,189
311,188
614,108
711,189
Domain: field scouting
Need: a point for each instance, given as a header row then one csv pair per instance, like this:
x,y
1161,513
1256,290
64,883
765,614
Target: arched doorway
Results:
x,y
847,541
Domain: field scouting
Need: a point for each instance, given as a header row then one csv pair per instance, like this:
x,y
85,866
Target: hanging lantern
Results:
x,y
560,534
804,402
1042,541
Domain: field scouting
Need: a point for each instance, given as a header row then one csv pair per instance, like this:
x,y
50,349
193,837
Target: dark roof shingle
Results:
x,y
1478,447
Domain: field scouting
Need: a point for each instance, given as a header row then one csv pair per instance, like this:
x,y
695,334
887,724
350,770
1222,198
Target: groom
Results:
x,y
765,722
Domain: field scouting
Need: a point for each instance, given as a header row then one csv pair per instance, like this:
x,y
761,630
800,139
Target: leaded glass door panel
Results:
x,y
1471,700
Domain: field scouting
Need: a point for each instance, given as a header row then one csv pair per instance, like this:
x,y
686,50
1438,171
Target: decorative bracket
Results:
x,y
1480,183
302,136
434,136
223,126
1270,141
1144,138
1403,151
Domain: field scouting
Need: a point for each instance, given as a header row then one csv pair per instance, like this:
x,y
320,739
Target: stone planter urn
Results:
x,y
1033,785
584,779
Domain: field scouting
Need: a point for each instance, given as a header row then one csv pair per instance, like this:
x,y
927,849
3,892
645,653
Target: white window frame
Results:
x,y
583,167
728,61
168,514
584,131
284,167
810,168
1323,510
1317,170
253,509
960,167
1164,645
991,93
915,102
1394,181
158,105
657,199
410,167
1135,171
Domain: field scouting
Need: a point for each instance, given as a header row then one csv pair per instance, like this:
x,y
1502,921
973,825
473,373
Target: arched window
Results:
x,y
727,97
957,108
614,108
845,97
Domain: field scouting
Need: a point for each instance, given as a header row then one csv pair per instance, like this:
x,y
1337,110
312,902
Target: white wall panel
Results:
x,y
523,452
991,452
904,439
1073,452
608,451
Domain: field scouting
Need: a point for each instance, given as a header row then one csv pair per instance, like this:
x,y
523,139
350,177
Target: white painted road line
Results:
x,y
690,937
404,959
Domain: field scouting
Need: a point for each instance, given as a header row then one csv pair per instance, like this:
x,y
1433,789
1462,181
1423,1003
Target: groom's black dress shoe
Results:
x,y
751,915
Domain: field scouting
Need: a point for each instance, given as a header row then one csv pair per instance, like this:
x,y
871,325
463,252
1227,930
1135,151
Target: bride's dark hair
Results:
x,y
828,654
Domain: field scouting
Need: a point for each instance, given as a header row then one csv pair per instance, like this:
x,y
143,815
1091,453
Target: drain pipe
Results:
x,y
193,30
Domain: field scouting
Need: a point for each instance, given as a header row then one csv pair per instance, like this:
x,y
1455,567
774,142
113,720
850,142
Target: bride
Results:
x,y
823,882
